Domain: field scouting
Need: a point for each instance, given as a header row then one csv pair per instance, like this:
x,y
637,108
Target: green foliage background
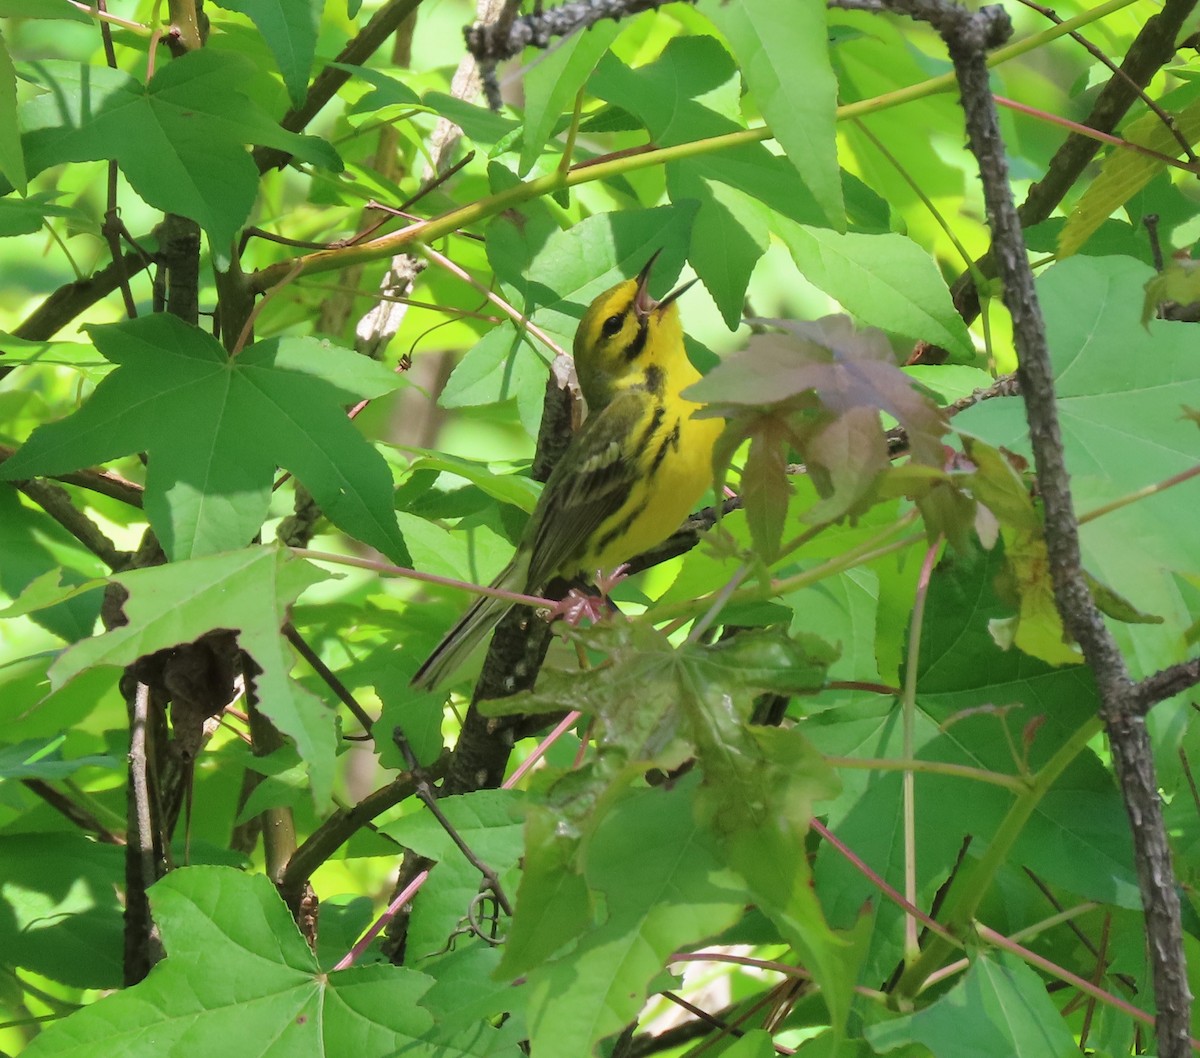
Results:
x,y
799,162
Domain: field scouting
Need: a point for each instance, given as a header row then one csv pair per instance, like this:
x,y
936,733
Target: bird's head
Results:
x,y
623,332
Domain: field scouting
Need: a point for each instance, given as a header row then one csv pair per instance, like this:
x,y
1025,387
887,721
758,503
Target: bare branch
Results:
x,y
492,43
1164,684
967,36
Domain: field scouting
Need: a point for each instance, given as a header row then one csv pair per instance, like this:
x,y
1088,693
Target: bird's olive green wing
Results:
x,y
596,477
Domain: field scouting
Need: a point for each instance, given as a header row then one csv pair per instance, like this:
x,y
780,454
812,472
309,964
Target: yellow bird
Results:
x,y
630,476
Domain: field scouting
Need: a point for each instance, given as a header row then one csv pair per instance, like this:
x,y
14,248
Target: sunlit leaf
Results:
x,y
215,428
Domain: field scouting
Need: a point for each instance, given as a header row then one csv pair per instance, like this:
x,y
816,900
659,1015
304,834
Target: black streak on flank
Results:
x,y
634,349
643,442
620,529
654,380
668,442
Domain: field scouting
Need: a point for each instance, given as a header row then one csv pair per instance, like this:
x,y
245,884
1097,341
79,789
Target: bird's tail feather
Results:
x,y
462,639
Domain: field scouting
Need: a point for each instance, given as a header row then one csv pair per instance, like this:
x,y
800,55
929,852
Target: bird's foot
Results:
x,y
578,604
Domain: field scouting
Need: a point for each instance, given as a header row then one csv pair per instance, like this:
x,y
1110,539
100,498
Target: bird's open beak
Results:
x,y
643,303
675,293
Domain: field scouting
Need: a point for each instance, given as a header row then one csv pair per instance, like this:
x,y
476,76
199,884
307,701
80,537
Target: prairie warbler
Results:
x,y
627,479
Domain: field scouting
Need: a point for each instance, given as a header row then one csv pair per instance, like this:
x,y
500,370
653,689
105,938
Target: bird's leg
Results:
x,y
579,603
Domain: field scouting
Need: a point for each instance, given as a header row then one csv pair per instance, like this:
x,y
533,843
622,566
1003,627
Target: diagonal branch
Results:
x,y
967,36
1151,50
325,85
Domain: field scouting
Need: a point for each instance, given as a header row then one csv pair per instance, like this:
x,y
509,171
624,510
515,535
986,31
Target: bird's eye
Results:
x,y
611,325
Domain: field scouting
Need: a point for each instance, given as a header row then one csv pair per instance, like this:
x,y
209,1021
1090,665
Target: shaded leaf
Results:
x,y
1121,434
663,888
552,84
1000,1005
40,759
12,158
60,911
1126,172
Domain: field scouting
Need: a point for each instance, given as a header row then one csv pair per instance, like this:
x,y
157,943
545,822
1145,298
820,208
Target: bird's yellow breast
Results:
x,y
675,457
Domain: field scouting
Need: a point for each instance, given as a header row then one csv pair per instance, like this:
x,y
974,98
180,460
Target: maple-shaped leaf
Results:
x,y
248,592
846,369
819,389
215,428
180,140
240,981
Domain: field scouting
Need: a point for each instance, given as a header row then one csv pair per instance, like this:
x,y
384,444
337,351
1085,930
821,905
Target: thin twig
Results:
x,y
1099,55
1164,684
328,675
76,813
428,796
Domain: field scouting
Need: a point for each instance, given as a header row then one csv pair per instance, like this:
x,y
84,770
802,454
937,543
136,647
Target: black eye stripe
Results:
x,y
611,325
635,348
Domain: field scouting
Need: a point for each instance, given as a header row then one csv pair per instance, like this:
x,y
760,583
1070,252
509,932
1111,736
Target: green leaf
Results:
x,y
290,29
42,9
554,285
759,785
1000,1005
249,591
22,216
180,140
1126,172
388,91
516,489
673,96
969,694
467,998
46,571
502,365
663,888
491,822
756,1043
784,57
1179,281
1121,434
553,83
60,913
884,281
12,159
216,427
571,267
483,126
240,981
40,759
732,231
757,799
